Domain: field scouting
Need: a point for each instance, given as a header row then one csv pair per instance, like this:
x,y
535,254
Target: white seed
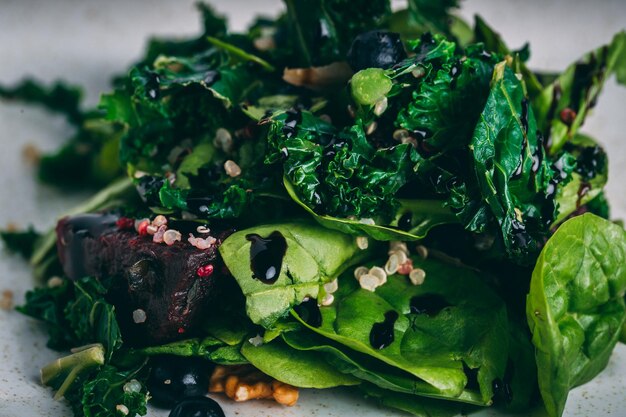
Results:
x,y
158,235
159,220
399,134
351,111
402,258
232,169
132,386
362,242
171,236
367,221
223,140
417,276
371,128
139,174
55,282
332,286
256,340
361,270
418,72
369,282
379,273
396,245
327,300
200,243
121,408
151,229
422,251
264,43
391,267
139,316
203,229
380,106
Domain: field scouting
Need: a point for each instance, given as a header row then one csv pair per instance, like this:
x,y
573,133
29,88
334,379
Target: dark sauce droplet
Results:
x,y
309,312
455,71
428,304
524,115
520,236
406,221
266,256
381,334
152,87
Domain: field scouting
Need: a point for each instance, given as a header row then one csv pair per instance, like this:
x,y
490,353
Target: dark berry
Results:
x,y
197,407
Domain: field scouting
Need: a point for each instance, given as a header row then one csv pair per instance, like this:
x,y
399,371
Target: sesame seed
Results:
x,y
167,382
391,267
418,72
139,316
380,106
396,245
417,276
232,169
362,242
223,139
371,128
400,134
203,229
55,282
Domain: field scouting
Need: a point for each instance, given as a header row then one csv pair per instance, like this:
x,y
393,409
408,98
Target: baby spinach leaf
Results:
x,y
575,307
417,406
562,107
314,255
305,369
470,329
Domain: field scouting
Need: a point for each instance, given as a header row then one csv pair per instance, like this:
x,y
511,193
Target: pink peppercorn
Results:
x,y
205,271
124,223
142,228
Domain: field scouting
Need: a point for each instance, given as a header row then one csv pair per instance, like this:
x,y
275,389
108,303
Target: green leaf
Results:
x,y
424,215
433,16
472,330
577,89
21,242
298,368
314,256
575,308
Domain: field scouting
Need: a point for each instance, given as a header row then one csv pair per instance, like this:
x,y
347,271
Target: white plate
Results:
x,y
87,42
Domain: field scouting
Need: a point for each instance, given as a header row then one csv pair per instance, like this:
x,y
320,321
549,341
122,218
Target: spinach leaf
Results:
x,y
470,330
417,406
313,256
305,369
575,307
562,107
209,348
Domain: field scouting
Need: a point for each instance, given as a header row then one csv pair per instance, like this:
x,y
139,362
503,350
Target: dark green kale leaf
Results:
x,y
562,106
59,98
20,241
324,29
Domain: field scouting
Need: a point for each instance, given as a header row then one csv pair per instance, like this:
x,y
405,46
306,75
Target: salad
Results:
x,y
343,196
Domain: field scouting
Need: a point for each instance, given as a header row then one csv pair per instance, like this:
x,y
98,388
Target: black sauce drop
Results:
x,y
266,256
148,188
428,304
309,312
152,86
293,118
590,162
381,334
455,71
74,231
502,392
472,378
520,236
406,221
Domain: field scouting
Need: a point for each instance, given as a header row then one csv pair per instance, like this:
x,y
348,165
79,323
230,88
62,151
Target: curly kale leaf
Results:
x,y
446,104
339,172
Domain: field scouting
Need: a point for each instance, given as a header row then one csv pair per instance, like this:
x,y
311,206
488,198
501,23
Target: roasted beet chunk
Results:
x,y
157,291
376,49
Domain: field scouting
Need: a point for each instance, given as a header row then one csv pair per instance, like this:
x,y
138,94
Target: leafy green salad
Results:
x,y
386,200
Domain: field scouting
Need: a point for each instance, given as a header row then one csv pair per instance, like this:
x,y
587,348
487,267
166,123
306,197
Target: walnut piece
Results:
x,y
244,383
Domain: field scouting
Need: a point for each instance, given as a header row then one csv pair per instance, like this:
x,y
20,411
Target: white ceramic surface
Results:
x,y
88,41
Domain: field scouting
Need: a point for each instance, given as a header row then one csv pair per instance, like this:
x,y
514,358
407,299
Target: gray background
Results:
x,y
86,42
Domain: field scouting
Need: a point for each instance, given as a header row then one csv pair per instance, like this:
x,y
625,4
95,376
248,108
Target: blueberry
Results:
x,y
197,407
376,49
173,379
